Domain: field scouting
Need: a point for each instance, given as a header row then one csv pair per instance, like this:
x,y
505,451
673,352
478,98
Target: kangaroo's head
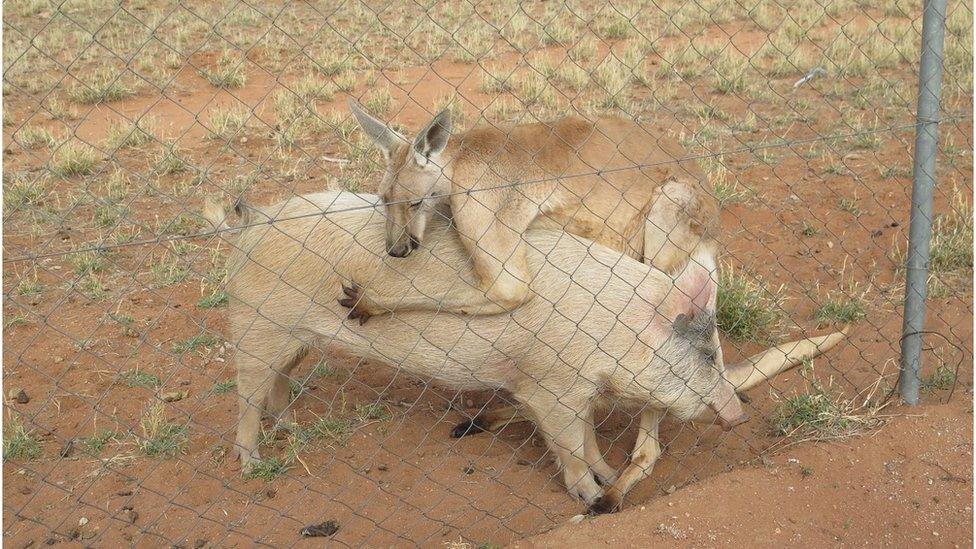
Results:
x,y
414,182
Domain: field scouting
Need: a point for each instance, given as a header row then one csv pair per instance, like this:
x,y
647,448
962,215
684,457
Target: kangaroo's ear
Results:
x,y
432,140
382,135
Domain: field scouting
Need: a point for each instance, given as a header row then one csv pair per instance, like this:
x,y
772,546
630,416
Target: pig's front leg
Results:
x,y
563,421
647,448
604,473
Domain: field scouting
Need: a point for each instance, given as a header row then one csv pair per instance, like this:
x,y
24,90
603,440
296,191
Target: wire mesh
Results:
x,y
125,324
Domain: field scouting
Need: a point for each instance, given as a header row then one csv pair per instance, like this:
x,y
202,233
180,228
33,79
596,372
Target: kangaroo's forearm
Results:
x,y
469,301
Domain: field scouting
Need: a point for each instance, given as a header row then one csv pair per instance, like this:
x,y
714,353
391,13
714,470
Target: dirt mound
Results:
x,y
907,484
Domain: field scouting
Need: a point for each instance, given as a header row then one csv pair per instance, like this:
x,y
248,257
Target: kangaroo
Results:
x,y
598,179
608,180
601,324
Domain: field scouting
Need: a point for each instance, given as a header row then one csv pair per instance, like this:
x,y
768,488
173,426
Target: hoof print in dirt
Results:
x,y
322,530
470,427
601,506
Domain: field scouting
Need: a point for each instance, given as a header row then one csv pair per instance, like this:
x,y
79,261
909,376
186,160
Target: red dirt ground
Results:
x,y
403,480
909,484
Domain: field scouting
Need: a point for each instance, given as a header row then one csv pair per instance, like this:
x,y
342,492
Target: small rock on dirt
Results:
x,y
525,462
19,395
383,467
321,530
175,396
69,447
469,470
130,515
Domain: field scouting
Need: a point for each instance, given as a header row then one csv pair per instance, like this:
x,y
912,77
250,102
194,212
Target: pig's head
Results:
x,y
692,378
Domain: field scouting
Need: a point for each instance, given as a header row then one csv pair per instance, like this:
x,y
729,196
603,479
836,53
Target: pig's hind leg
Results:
x,y
258,359
605,474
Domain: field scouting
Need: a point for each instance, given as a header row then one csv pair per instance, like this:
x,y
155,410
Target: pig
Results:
x,y
601,326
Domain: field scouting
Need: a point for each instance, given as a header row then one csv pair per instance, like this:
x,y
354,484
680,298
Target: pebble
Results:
x,y
175,396
576,519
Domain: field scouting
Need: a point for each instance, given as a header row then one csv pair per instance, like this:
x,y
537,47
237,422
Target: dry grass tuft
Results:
x,y
825,413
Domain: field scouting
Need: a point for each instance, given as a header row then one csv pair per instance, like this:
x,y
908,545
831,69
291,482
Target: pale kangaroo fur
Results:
x,y
599,179
599,322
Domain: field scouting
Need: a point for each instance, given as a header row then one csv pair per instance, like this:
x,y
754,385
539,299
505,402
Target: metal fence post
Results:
x,y
923,185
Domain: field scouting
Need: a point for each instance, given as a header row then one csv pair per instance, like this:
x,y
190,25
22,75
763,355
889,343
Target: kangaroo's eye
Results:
x,y
415,205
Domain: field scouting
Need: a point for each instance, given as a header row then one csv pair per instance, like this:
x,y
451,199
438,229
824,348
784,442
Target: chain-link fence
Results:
x,y
574,221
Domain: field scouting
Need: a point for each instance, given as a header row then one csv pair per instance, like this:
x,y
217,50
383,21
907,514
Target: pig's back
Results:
x,y
584,292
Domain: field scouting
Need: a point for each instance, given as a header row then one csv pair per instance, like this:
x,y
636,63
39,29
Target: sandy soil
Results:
x,y
909,484
402,480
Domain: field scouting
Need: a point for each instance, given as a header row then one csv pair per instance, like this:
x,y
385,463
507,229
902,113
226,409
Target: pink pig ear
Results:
x,y
695,291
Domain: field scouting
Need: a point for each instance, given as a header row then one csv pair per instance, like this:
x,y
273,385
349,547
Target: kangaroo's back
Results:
x,y
594,178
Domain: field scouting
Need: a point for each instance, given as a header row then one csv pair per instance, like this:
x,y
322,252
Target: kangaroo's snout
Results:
x,y
403,246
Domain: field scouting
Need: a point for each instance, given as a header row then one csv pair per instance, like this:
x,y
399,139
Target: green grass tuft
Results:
x,y
136,378
19,443
747,311
267,469
33,137
952,237
160,438
215,300
223,387
814,412
73,158
943,378
372,412
102,87
201,340
844,306
22,193
94,444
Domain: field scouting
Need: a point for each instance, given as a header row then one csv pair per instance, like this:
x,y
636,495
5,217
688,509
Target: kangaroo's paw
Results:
x,y
358,303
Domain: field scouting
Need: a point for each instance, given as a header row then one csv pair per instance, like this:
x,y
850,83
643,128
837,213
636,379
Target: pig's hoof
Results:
x,y
602,506
470,427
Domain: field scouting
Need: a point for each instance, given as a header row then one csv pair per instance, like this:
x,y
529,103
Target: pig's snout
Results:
x,y
728,407
729,419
